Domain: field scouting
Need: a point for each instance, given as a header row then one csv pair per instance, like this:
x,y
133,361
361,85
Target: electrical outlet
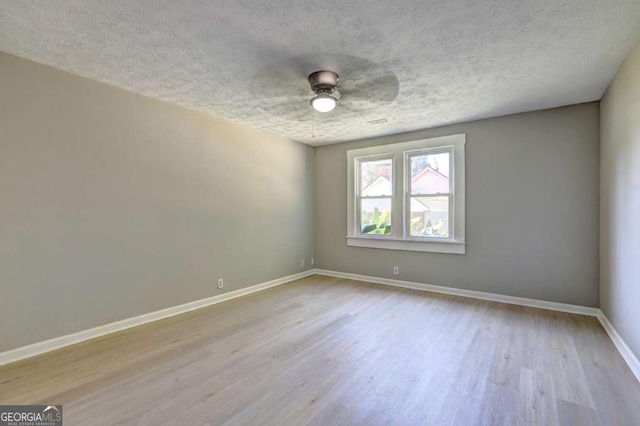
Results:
x,y
313,261
396,270
220,283
302,263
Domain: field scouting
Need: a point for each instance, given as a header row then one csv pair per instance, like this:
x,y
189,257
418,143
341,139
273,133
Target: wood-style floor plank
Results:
x,y
328,351
537,399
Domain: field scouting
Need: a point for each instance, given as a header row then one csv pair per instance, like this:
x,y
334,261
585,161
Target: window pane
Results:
x,y
430,173
375,216
429,217
375,178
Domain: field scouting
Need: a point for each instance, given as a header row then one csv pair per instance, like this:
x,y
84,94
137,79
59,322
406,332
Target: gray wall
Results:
x,y
531,212
114,205
620,202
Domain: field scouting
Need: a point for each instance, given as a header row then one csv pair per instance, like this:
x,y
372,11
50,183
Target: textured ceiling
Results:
x,y
416,63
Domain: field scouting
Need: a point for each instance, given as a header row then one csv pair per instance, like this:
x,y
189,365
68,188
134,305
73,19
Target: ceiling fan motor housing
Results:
x,y
323,81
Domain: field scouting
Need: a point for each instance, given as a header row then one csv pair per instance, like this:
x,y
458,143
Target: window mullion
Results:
x,y
406,195
398,195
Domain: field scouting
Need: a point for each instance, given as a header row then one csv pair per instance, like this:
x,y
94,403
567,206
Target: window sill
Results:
x,y
450,247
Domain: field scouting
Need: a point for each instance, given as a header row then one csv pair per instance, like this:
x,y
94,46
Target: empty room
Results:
x,y
323,213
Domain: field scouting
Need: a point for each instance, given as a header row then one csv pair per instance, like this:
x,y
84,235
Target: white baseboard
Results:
x,y
630,358
60,342
70,339
625,351
522,301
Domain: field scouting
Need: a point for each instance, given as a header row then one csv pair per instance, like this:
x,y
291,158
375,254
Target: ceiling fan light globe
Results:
x,y
324,103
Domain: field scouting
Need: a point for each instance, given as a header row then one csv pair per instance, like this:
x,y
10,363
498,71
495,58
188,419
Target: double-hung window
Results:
x,y
375,194
408,196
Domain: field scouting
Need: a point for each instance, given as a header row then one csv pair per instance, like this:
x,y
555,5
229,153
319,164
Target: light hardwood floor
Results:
x,y
328,351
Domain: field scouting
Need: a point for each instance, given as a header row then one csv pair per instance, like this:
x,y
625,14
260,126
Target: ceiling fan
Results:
x,y
360,86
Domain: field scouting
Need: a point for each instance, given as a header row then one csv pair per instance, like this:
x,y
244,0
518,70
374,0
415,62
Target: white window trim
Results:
x,y
397,240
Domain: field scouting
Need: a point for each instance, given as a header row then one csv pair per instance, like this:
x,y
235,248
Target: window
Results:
x,y
408,196
375,195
